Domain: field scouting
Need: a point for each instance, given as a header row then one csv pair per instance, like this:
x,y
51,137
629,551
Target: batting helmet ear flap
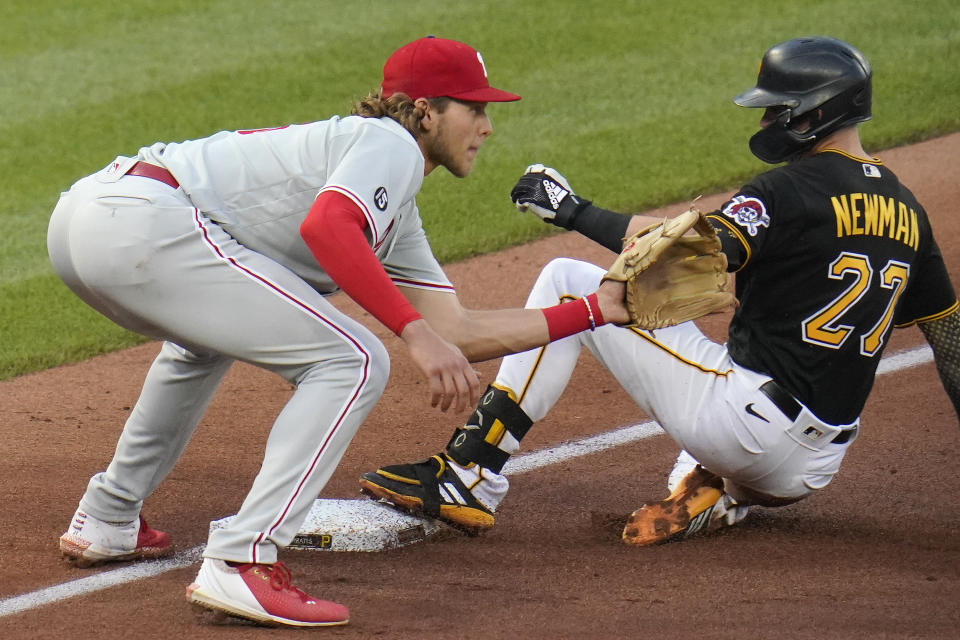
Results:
x,y
779,141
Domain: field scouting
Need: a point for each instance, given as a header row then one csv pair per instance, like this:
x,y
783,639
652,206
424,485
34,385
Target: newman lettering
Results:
x,y
871,214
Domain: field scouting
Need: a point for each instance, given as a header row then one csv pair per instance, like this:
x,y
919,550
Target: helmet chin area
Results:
x,y
778,142
774,145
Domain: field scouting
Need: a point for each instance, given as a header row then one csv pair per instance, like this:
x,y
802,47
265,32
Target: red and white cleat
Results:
x,y
262,593
89,541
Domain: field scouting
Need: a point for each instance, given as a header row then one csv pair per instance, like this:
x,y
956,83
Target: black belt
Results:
x,y
147,170
789,406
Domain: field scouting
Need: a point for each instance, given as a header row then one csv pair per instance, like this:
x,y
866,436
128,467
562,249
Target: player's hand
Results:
x,y
611,296
547,194
452,380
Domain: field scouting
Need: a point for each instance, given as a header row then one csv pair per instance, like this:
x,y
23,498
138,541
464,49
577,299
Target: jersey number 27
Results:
x,y
825,327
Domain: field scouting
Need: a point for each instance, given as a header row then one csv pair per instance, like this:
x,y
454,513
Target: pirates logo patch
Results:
x,y
748,212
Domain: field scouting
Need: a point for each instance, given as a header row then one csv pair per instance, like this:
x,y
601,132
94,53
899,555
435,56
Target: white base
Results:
x,y
356,525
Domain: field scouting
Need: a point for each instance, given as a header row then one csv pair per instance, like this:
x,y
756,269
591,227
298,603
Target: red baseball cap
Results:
x,y
433,67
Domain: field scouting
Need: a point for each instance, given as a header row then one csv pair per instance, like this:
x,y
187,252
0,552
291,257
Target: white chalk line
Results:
x,y
97,582
516,465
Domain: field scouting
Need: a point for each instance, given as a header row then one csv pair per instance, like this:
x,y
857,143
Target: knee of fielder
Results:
x,y
367,367
563,277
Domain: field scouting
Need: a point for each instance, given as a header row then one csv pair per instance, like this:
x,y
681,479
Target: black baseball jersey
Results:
x,y
830,253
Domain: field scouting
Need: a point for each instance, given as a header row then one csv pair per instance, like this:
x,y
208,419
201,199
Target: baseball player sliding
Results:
x,y
225,248
830,251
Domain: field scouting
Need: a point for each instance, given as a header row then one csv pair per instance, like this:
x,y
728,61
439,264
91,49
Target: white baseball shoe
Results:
x,y
90,541
262,593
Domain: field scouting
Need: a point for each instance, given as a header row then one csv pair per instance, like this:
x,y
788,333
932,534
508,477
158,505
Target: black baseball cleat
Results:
x,y
428,488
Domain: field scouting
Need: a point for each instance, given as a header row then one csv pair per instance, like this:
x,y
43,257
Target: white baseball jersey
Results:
x,y
259,185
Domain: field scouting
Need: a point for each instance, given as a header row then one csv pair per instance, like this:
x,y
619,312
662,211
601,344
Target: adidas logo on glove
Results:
x,y
555,192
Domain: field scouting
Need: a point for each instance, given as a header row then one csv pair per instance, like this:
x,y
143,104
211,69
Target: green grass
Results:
x,y
630,100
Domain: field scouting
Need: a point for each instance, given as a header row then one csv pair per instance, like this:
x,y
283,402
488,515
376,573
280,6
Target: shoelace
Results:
x,y
282,579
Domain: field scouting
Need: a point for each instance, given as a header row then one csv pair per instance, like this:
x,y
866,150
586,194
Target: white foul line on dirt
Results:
x,y
518,464
97,582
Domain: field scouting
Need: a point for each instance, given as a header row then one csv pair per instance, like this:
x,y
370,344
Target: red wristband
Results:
x,y
574,316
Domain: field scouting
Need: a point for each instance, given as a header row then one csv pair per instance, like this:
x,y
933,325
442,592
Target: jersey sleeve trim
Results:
x,y
359,202
735,233
930,318
433,286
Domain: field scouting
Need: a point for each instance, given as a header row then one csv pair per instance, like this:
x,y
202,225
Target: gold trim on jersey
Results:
x,y
936,316
739,236
870,160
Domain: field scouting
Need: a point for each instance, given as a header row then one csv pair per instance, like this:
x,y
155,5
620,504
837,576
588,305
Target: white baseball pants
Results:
x,y
137,250
690,386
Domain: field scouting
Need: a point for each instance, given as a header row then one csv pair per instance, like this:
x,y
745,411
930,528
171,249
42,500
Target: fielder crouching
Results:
x,y
226,248
766,418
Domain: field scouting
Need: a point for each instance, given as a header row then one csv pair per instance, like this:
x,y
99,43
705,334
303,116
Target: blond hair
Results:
x,y
398,107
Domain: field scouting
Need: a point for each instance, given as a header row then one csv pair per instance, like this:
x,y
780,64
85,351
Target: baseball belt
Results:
x,y
147,170
789,406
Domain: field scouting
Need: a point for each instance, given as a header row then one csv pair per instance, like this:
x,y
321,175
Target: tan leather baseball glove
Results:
x,y
672,277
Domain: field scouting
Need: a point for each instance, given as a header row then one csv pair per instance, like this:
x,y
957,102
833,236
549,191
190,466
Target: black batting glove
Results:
x,y
547,194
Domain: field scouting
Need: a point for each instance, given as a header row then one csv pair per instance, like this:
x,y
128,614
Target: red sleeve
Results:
x,y
333,230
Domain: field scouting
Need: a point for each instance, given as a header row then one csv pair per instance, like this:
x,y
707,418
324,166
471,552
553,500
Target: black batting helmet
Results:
x,y
822,84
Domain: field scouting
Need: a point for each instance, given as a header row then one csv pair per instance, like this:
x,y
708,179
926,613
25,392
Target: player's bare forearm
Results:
x,y
943,335
480,335
487,334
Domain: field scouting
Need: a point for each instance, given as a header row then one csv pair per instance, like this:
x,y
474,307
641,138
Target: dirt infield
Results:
x,y
875,555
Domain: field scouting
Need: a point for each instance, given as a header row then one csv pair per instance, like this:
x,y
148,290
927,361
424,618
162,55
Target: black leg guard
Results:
x,y
477,440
